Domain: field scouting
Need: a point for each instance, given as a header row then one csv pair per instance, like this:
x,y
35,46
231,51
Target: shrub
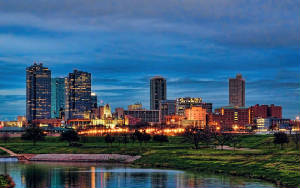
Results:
x,y
33,133
160,138
281,138
69,136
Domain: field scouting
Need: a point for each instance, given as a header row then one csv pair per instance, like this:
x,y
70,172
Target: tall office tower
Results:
x,y
94,99
38,92
237,91
78,95
57,97
158,91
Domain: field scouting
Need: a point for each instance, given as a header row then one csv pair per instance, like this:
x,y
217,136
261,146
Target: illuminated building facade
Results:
x,y
167,107
57,97
38,92
237,91
136,106
196,115
107,112
78,95
174,120
273,124
233,118
263,124
188,102
158,91
264,111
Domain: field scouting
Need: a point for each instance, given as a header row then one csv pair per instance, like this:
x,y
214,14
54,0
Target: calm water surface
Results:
x,y
88,175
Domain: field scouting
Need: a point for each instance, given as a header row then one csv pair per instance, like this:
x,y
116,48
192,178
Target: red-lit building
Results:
x,y
275,111
47,122
174,119
265,111
232,118
130,120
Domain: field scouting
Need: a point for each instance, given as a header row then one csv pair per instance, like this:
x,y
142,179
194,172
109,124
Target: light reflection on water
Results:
x,y
89,175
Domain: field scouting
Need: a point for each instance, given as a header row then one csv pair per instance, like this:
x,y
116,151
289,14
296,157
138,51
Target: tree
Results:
x,y
133,138
222,138
5,137
139,136
235,140
206,136
281,138
33,133
193,134
125,139
109,139
70,136
160,138
146,137
296,139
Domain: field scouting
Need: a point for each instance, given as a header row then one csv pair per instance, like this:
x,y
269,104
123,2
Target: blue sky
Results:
x,y
197,45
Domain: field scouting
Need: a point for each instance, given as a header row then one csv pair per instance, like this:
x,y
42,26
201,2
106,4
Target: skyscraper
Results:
x,y
237,91
78,95
94,99
57,97
158,91
38,92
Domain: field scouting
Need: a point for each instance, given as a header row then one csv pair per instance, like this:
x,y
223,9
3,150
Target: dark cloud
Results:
x,y
197,45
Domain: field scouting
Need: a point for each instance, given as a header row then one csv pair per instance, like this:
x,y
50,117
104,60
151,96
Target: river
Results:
x,y
92,175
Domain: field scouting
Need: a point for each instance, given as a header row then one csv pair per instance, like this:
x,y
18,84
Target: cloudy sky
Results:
x,y
197,45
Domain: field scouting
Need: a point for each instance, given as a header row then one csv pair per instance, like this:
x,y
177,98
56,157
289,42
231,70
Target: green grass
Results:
x,y
268,162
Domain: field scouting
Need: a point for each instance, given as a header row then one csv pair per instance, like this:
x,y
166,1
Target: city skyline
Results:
x,y
196,49
146,103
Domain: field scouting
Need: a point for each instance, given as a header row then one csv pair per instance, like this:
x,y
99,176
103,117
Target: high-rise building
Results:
x,y
57,97
237,91
78,95
158,91
94,100
38,92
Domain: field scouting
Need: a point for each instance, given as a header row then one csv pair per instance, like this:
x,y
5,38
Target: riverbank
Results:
x,y
264,161
6,182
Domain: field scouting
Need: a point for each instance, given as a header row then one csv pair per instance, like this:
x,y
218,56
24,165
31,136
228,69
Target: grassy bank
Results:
x,y
6,182
267,162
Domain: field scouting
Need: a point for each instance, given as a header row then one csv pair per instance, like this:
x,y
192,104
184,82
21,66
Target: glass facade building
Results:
x,y
78,95
38,92
57,97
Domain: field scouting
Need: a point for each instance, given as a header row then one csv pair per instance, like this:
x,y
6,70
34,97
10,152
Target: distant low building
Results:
x,y
167,107
136,106
233,118
264,111
188,102
48,122
151,116
264,125
195,116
